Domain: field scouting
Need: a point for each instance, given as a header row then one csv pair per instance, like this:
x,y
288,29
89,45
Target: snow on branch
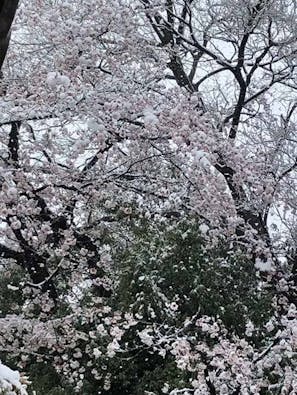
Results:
x,y
11,382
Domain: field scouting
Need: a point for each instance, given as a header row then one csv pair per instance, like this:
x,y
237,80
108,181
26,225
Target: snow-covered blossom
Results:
x,y
11,381
146,337
121,115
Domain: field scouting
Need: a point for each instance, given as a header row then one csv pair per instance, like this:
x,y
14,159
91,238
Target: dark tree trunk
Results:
x,y
7,12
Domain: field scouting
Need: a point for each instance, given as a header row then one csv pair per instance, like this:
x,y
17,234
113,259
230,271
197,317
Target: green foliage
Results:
x,y
11,297
171,269
142,372
45,380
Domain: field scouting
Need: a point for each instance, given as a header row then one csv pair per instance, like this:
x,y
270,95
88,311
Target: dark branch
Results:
x,y
13,143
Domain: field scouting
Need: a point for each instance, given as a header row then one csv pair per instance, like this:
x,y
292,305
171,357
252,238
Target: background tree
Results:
x,y
125,117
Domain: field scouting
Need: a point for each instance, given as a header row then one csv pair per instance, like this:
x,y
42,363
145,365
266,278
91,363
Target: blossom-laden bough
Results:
x,y
119,119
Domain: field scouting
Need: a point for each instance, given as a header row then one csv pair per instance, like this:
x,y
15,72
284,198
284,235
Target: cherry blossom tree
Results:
x,y
121,118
